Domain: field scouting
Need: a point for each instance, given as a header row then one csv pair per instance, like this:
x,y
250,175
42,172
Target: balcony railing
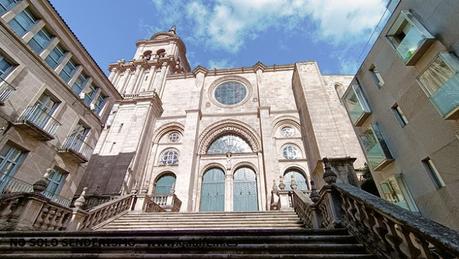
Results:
x,y
5,90
40,121
78,147
375,147
10,184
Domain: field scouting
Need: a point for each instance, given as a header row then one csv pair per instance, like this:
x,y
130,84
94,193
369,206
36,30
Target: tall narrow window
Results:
x,y
56,182
6,5
377,76
89,96
399,115
356,104
433,173
5,67
10,160
22,22
68,71
79,84
55,57
40,41
100,102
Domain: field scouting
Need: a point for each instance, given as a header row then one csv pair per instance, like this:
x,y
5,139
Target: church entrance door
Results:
x,y
213,190
245,197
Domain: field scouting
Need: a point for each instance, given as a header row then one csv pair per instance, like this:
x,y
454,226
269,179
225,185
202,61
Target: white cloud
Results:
x,y
220,63
227,24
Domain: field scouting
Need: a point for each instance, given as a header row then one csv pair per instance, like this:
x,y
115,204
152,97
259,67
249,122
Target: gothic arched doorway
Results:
x,y
165,184
245,197
213,190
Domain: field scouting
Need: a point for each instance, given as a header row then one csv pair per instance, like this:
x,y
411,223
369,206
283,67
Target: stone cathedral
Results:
x,y
218,138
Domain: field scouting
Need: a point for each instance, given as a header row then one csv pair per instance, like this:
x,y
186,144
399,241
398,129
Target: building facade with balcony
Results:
x,y
54,101
404,105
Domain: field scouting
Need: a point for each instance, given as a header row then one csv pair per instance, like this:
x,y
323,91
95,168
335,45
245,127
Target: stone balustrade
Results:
x,y
103,212
384,228
151,206
32,211
169,202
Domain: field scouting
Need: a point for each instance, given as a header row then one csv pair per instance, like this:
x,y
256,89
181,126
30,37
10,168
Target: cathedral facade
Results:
x,y
218,138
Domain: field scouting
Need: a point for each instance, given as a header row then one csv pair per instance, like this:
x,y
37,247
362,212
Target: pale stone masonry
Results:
x,y
416,115
40,112
163,96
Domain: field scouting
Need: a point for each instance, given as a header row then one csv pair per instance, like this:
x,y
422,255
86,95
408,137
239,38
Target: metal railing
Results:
x,y
5,90
38,117
78,146
10,184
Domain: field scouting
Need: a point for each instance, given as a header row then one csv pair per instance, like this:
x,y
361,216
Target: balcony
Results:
x,y
10,185
38,123
440,82
409,38
169,202
356,105
375,148
77,149
5,91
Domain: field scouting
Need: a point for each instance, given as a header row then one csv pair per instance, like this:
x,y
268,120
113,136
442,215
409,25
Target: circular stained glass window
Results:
x,y
291,152
174,137
230,93
169,157
287,131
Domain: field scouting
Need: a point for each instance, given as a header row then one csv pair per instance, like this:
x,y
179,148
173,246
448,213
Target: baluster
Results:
x,y
406,245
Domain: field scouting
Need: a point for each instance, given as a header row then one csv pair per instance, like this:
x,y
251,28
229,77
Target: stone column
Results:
x,y
229,190
343,167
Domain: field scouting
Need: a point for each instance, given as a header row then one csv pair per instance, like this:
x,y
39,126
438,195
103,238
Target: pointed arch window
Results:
x,y
229,143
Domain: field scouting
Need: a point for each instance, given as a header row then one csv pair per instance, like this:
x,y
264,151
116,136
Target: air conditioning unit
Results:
x,y
92,106
81,95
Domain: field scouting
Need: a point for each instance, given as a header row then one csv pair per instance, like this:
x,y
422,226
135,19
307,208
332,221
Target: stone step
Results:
x,y
211,221
187,255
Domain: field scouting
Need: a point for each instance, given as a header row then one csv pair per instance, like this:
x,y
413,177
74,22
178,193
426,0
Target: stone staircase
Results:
x,y
188,235
206,221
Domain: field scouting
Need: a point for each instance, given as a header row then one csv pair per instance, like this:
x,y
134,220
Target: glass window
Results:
x,y
5,67
68,71
174,137
229,143
40,41
394,190
408,36
80,83
433,173
375,147
230,93
89,96
299,179
22,22
99,104
399,115
377,76
356,104
56,181
287,131
169,157
291,152
6,5
440,81
165,184
55,57
10,159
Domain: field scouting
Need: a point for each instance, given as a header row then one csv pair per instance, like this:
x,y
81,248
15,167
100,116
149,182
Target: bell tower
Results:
x,y
163,54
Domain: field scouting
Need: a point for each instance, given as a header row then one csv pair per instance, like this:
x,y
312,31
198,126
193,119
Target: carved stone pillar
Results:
x,y
343,167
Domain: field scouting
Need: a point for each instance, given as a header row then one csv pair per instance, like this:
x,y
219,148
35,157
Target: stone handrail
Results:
x,y
176,204
32,211
391,231
151,206
384,228
106,211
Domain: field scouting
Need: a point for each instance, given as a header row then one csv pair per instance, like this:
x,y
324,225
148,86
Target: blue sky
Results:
x,y
231,33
